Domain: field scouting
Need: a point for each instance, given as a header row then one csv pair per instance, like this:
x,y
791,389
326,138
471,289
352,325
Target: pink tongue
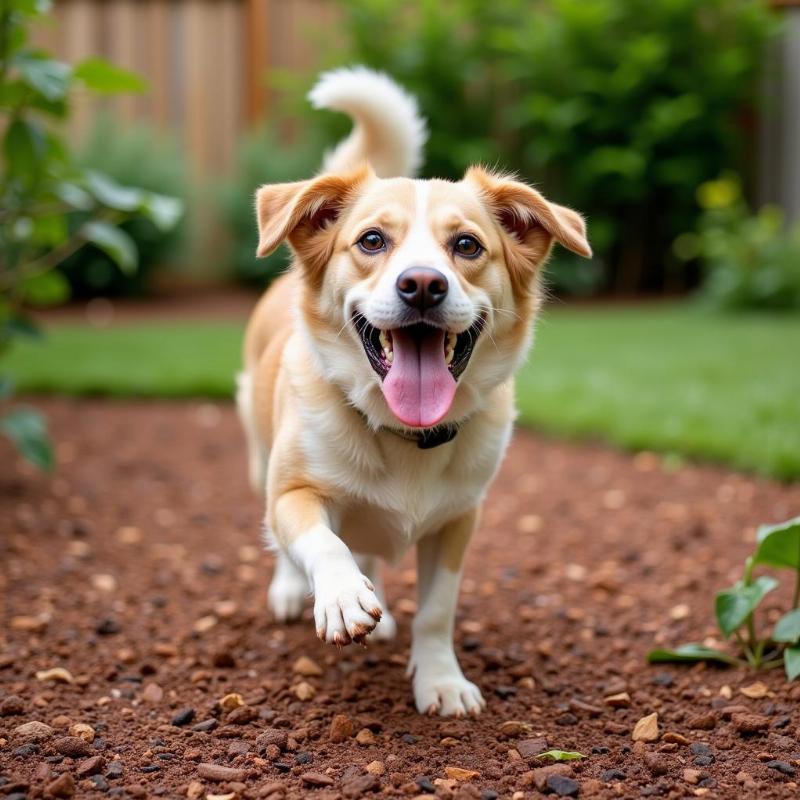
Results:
x,y
419,387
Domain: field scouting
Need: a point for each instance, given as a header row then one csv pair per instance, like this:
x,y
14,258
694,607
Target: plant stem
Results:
x,y
748,653
775,662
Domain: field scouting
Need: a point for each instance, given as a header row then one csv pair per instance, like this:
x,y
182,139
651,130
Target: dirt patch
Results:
x,y
136,574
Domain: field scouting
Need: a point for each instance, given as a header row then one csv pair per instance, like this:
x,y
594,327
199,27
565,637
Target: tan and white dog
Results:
x,y
377,394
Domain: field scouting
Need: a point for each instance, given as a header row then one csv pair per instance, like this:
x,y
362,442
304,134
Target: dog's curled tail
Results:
x,y
388,131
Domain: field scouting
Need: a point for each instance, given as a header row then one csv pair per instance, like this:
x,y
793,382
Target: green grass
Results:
x,y
192,359
667,378
674,379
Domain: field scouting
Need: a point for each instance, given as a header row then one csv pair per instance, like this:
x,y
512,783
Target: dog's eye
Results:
x,y
372,242
467,246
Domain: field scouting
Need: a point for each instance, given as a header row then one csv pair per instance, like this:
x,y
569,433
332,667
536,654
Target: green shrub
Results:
x,y
264,157
134,156
619,108
749,260
50,207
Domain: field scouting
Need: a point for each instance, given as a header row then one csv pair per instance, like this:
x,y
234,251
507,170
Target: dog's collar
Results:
x,y
426,438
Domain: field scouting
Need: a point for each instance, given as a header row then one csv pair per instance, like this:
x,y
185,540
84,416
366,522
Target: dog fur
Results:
x,y
332,447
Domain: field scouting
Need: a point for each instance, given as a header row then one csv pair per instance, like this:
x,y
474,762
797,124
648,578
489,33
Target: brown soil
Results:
x,y
137,568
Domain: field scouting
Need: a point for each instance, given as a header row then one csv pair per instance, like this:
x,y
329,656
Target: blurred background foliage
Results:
x,y
138,156
264,156
620,109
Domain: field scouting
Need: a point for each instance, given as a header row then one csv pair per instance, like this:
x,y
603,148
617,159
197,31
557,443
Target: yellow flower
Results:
x,y
721,193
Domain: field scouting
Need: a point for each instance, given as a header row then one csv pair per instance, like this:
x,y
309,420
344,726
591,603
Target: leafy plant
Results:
x,y
749,260
42,188
619,109
264,157
135,156
778,546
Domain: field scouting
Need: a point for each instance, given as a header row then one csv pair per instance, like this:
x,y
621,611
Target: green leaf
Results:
x,y
23,145
561,755
47,289
787,628
112,194
164,212
791,662
49,77
101,76
27,429
690,652
74,196
114,242
734,605
779,545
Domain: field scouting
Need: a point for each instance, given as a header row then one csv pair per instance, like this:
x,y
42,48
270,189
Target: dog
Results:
x,y
377,395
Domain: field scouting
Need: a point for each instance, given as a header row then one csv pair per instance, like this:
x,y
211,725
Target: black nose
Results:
x,y
422,287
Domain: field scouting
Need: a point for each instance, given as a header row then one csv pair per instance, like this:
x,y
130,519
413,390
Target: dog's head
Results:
x,y
418,296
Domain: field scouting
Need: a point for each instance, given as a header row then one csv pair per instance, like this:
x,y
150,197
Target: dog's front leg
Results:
x,y
345,605
439,684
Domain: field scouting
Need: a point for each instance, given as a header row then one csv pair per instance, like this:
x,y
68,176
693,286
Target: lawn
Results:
x,y
667,378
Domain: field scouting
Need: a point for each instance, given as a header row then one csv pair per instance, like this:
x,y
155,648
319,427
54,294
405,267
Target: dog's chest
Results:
x,y
387,506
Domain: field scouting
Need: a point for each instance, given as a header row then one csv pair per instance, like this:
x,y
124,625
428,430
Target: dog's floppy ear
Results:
x,y
303,212
532,222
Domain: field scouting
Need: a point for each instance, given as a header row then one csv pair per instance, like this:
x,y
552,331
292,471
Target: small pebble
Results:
x,y
114,770
619,700
72,746
231,701
152,693
34,731
750,723
365,737
646,729
461,774
183,717
11,706
342,728
91,766
306,667
316,779
562,785
304,691
782,766
62,786
82,731
356,787
217,772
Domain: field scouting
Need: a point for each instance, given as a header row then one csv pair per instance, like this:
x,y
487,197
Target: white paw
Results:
x,y
346,607
448,694
287,595
385,630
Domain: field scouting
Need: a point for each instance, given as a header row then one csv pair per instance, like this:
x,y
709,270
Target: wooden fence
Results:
x,y
206,61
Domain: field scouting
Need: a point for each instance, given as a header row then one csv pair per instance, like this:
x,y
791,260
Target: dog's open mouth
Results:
x,y
419,366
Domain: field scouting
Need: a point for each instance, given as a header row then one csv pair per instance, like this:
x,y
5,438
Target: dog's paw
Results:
x,y
385,630
346,608
287,595
450,695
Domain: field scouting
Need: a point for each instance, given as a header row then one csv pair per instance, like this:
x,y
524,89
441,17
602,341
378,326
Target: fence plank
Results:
x,y
206,62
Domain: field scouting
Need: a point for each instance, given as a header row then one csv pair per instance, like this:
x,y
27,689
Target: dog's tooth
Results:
x,y
389,355
450,343
448,356
386,343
